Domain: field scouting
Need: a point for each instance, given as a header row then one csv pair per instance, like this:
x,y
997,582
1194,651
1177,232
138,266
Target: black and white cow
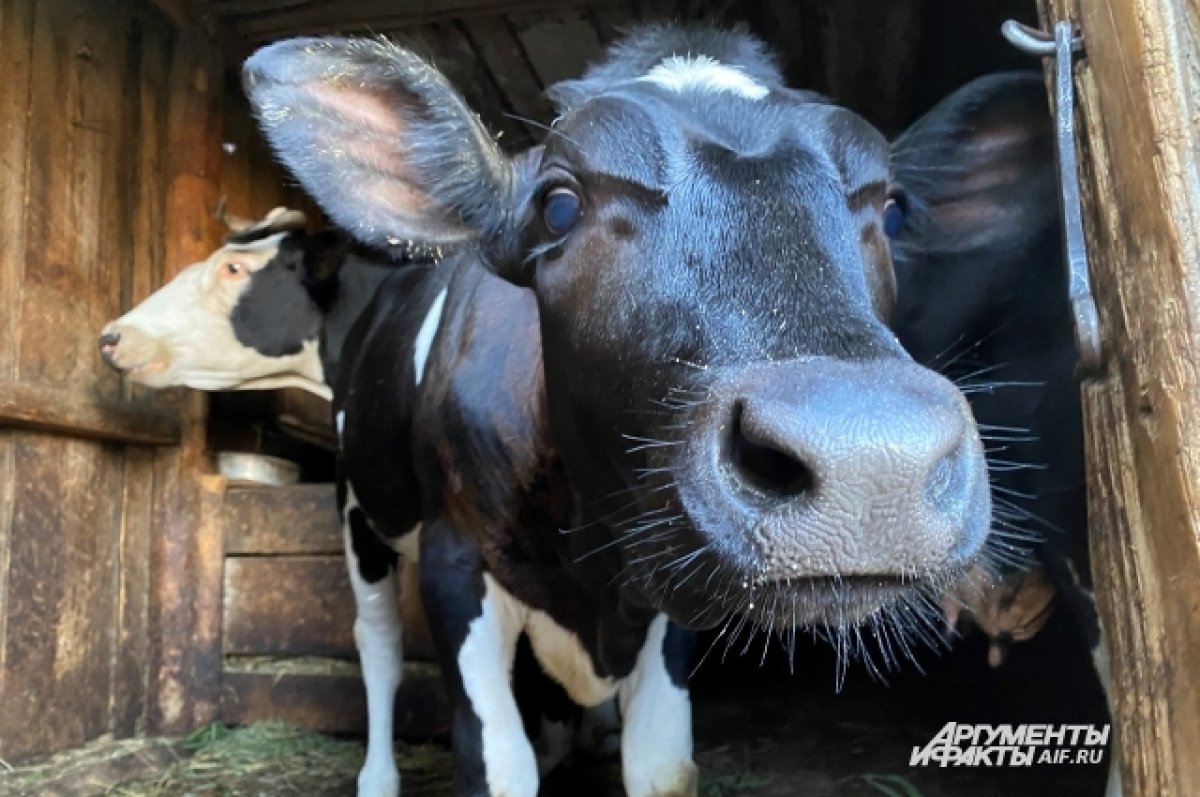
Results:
x,y
268,309
652,388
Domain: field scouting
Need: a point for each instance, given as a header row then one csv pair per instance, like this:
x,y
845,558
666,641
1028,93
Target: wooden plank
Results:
x,y
186,13
373,15
559,46
502,54
16,46
288,606
71,411
864,41
452,54
1139,90
303,606
300,519
335,703
305,416
188,556
60,607
60,601
610,20
151,41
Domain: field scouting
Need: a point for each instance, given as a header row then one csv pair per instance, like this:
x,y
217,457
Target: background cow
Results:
x,y
269,309
995,318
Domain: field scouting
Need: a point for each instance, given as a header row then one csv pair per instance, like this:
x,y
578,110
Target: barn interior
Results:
x,y
144,594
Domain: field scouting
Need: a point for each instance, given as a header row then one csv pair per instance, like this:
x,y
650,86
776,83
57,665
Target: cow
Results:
x,y
268,309
651,387
997,321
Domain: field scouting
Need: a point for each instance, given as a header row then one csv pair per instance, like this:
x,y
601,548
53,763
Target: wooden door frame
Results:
x,y
1138,118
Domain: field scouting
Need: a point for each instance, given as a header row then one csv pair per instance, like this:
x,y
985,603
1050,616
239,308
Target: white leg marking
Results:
x,y
425,335
377,635
485,663
339,422
563,657
656,744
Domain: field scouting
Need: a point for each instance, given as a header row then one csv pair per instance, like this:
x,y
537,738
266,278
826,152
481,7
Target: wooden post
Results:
x,y
1140,98
189,553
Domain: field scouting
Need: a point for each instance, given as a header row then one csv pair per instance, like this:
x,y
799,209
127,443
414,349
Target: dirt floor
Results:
x,y
761,731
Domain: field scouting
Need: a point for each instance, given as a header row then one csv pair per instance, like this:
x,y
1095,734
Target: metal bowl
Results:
x,y
240,466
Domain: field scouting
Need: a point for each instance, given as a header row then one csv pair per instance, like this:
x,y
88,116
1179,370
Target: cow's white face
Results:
x,y
187,332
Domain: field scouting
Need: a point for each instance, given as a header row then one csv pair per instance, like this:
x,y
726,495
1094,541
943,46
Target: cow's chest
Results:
x,y
564,658
559,650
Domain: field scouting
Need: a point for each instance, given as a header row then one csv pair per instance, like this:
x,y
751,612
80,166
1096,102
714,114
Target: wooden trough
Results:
x,y
140,593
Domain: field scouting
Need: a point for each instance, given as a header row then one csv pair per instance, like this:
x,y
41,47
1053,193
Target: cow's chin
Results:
x,y
800,602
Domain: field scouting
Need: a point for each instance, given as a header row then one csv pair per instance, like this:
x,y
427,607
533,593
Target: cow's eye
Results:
x,y
233,270
561,209
895,212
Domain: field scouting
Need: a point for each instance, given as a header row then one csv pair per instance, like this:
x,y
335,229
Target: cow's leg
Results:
x,y
372,567
656,740
476,624
600,730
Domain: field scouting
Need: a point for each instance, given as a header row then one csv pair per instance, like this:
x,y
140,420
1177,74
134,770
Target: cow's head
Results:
x,y
711,254
248,317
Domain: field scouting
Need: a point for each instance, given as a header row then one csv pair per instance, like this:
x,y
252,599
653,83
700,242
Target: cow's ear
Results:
x,y
381,140
977,170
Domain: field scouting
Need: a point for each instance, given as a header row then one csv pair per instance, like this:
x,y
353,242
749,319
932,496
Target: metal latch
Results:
x,y
1062,46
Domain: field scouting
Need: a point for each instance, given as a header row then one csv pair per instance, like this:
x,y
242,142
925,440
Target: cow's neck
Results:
x,y
358,280
306,372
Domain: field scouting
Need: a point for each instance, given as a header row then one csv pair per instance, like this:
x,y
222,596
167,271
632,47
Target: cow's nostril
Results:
x,y
108,342
947,477
764,464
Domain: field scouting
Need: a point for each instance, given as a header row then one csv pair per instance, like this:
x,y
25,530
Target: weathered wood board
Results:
x,y
1139,92
87,106
334,703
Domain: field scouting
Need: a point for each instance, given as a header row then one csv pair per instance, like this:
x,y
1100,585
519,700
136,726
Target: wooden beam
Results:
x,y
66,411
453,55
288,605
302,605
189,551
371,15
187,13
334,703
300,519
501,53
559,46
1138,93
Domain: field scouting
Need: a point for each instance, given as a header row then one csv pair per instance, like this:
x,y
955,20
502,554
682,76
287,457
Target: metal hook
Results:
x,y
1062,46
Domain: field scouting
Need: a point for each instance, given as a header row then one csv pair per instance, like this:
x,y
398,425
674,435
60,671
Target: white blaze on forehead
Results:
x,y
702,73
425,335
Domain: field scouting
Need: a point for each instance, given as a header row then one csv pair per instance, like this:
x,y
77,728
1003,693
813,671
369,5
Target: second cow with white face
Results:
x,y
268,309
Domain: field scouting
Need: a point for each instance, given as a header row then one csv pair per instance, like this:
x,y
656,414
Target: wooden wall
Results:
x,y
889,60
106,113
1138,116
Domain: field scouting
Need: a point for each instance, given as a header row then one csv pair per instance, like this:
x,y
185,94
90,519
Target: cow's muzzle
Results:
x,y
848,480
